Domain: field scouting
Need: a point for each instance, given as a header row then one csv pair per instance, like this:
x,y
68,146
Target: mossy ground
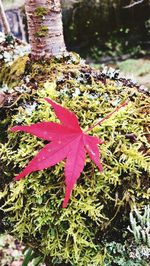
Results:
x,y
100,203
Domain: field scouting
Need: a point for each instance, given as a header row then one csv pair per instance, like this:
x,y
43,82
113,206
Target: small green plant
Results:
x,y
140,225
31,257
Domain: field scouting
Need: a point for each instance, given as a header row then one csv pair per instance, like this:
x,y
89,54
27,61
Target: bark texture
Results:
x,y
45,28
4,20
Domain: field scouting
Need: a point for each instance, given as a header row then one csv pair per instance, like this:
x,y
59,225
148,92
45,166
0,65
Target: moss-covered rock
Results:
x,y
100,203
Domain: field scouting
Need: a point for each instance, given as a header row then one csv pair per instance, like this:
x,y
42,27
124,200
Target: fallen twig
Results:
x,y
134,3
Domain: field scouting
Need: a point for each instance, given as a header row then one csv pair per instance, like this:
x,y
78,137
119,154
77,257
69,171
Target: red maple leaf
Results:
x,y
67,141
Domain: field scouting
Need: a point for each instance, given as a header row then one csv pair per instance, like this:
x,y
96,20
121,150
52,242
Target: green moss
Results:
x,y
42,32
41,11
100,203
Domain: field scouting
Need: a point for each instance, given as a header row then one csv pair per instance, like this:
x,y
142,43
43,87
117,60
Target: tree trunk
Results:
x,y
4,20
45,28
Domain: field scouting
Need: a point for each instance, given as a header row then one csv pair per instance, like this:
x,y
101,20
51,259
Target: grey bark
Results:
x,y
45,28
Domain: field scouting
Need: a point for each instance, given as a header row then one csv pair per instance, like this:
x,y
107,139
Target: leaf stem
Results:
x,y
107,116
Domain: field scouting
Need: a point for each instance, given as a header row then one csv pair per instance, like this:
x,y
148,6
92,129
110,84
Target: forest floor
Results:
x,y
135,69
140,69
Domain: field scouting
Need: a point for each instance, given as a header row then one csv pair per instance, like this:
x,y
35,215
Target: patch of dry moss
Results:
x,y
41,11
12,75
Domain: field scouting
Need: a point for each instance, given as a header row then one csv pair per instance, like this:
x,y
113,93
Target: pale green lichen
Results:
x,y
140,225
